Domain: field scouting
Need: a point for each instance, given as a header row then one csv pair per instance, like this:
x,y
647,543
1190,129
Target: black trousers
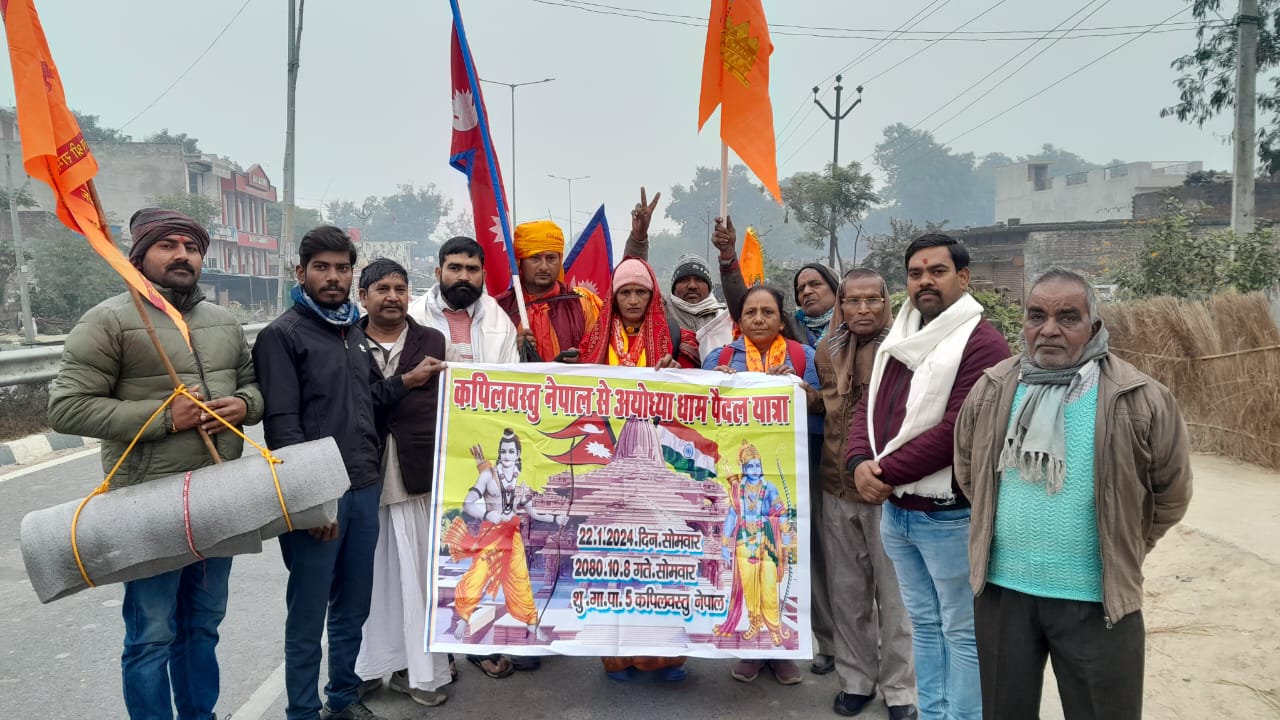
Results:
x,y
1099,669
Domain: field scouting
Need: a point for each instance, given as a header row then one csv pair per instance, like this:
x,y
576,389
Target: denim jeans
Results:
x,y
930,553
170,636
333,578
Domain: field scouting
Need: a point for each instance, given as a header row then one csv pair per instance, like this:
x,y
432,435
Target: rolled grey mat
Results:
x,y
140,531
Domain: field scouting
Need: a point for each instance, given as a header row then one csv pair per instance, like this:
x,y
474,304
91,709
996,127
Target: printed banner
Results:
x,y
620,511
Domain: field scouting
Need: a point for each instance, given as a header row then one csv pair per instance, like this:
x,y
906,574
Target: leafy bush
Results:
x,y
1174,261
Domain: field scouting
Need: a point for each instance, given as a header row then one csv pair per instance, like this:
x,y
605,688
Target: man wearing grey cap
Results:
x,y
111,381
690,303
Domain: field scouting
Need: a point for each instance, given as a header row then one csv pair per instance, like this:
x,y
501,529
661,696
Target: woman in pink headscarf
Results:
x,y
633,330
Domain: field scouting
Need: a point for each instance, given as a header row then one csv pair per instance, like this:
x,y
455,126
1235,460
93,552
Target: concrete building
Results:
x,y
1027,192
1007,257
242,265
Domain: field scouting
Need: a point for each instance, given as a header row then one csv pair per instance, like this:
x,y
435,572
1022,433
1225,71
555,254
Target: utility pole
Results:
x,y
837,116
20,266
1242,184
286,231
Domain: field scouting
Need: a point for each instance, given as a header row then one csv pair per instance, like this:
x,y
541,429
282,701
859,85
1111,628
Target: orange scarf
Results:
x,y
777,355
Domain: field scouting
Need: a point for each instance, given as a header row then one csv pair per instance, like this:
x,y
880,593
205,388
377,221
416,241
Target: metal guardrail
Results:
x,y
38,365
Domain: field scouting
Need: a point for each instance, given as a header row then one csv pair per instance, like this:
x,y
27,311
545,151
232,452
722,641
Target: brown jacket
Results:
x,y
836,477
1142,471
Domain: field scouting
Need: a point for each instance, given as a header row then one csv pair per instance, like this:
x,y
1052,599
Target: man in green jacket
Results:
x,y
1075,464
110,382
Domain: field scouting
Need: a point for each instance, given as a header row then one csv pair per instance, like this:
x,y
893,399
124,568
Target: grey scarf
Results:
x,y
1036,442
694,315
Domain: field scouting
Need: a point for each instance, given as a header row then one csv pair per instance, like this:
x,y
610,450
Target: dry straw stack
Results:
x,y
1221,359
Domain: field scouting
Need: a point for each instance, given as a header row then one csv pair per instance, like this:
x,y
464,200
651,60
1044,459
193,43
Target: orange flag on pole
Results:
x,y
735,77
54,150
752,259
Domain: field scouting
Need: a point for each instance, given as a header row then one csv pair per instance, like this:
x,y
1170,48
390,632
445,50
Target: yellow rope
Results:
x,y
272,461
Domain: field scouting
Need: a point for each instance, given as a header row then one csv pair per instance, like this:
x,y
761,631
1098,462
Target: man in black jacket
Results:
x,y
319,381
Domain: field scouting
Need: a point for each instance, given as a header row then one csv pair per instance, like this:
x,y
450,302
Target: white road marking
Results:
x,y
48,464
263,698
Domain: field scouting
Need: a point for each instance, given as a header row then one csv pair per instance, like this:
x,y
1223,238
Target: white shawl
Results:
x,y
933,354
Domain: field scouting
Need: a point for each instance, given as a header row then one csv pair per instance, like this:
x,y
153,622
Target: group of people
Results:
x,y
972,514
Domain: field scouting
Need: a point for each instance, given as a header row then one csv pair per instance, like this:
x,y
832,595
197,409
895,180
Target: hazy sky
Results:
x,y
373,91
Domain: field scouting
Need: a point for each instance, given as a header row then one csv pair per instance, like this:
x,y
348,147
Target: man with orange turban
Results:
x,y
559,316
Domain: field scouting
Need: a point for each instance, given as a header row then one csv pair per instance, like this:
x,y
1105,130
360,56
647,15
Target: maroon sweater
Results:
x,y
932,450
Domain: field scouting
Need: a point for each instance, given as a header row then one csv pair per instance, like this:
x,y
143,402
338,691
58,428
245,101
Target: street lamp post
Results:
x,y
569,181
513,87
20,260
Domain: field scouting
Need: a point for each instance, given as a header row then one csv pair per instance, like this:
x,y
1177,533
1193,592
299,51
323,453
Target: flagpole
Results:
x,y
473,79
150,327
724,179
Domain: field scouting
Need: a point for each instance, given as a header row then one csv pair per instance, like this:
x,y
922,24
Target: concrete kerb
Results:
x,y
34,448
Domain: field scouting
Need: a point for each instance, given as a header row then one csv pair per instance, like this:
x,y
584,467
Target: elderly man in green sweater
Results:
x,y
1075,464
110,383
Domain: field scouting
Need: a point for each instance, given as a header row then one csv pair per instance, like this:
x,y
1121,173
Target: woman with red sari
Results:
x,y
634,332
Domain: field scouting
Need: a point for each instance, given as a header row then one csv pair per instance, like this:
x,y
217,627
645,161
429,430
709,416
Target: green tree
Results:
x,y
199,207
695,206
93,132
411,214
925,180
70,277
1206,87
1174,260
886,251
303,220
190,145
826,203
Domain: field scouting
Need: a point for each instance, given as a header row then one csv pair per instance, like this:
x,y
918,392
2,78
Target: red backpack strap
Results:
x,y
726,355
795,353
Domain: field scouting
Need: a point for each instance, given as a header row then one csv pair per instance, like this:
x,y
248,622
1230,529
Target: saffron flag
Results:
x,y
472,153
752,259
54,150
735,77
590,262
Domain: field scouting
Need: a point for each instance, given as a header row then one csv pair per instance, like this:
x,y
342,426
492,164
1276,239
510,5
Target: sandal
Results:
x,y
495,666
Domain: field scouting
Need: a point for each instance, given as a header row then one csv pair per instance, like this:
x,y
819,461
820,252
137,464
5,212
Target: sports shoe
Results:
x,y
822,665
903,712
354,711
787,672
747,670
850,704
400,683
368,686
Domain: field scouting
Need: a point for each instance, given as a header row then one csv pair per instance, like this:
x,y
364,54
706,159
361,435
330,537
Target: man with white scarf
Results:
x,y
900,449
690,303
1076,464
475,328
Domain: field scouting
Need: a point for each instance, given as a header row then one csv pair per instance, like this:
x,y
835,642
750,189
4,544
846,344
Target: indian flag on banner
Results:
x,y
687,451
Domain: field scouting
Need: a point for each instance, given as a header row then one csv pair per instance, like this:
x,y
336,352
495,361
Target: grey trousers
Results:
x,y
820,596
872,631
1098,668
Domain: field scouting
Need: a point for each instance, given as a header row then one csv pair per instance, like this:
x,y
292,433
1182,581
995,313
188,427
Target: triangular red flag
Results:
x,y
590,263
472,153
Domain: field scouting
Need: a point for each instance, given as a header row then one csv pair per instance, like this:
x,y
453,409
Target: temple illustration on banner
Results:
x,y
603,539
